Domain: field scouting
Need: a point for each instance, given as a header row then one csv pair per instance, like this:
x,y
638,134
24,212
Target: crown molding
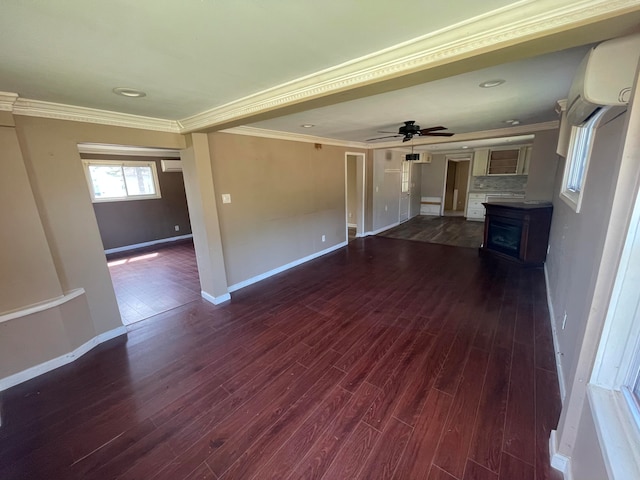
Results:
x,y
561,106
466,137
58,111
7,99
506,26
294,137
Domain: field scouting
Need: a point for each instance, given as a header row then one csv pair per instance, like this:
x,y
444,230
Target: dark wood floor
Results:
x,y
154,280
388,359
455,231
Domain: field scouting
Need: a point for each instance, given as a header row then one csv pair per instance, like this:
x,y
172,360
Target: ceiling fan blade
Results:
x,y
380,138
432,129
438,134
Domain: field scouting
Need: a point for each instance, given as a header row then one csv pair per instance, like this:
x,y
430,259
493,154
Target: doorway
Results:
x,y
139,201
456,186
354,194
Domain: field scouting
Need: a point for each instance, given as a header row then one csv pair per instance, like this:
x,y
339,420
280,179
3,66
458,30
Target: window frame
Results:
x,y
576,166
86,163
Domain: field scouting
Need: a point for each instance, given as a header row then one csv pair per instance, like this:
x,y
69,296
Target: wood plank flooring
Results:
x,y
388,359
448,230
154,279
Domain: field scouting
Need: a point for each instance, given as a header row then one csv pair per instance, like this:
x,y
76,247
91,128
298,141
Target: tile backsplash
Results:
x,y
509,183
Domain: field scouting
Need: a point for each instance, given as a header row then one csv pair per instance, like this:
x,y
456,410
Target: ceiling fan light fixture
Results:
x,y
129,92
492,83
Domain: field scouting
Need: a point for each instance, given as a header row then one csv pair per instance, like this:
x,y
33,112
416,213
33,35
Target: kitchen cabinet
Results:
x,y
501,161
476,209
480,160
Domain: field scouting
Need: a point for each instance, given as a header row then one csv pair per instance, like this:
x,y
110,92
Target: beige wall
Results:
x,y
387,171
576,242
433,176
584,255
587,462
284,196
26,267
54,244
543,166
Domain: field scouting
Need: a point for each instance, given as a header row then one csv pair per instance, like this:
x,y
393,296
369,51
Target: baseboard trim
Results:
x,y
554,334
380,230
275,271
60,361
560,462
147,244
215,300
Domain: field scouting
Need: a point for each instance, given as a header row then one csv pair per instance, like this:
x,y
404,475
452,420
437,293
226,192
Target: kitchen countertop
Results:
x,y
498,192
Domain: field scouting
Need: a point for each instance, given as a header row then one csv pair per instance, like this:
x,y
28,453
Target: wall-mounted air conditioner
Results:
x,y
605,77
421,157
171,165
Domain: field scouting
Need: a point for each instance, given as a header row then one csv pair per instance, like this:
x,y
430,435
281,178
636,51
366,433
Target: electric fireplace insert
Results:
x,y
517,231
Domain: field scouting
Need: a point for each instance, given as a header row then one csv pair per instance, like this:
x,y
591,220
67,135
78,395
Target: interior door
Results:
x,y
405,192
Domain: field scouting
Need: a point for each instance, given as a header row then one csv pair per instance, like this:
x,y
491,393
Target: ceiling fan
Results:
x,y
409,129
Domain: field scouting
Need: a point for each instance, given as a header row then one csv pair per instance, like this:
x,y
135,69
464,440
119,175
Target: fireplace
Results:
x,y
517,231
504,237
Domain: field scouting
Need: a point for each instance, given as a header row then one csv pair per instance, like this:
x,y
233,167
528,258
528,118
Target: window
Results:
x,y
631,389
406,176
575,170
111,180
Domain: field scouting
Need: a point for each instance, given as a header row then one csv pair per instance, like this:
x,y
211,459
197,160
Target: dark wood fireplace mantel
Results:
x,y
517,231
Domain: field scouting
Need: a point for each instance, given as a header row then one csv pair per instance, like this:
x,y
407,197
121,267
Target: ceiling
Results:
x,y
293,62
529,95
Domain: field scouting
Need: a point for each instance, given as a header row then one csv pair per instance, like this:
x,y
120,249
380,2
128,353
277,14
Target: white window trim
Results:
x,y
570,197
128,163
618,430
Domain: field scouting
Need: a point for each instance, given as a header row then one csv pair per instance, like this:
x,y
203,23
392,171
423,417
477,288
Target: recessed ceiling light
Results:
x,y
465,146
492,83
307,125
129,92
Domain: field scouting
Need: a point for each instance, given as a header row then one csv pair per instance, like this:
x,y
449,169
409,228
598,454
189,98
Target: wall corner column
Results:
x,y
203,212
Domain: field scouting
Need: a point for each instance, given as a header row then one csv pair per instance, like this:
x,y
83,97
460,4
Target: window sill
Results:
x,y
618,436
572,199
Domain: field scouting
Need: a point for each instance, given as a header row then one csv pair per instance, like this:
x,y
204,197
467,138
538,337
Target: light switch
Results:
x,y
226,198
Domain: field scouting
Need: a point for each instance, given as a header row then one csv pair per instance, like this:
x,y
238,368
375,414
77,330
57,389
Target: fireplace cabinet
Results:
x,y
517,231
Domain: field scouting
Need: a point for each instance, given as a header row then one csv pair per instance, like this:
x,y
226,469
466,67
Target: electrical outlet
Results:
x,y
386,208
177,228
324,238
564,320
226,198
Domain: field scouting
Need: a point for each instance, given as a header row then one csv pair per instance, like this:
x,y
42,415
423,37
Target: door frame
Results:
x,y
361,165
456,157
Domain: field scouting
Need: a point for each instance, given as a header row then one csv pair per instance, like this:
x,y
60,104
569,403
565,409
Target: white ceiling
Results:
x,y
199,59
529,95
193,55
